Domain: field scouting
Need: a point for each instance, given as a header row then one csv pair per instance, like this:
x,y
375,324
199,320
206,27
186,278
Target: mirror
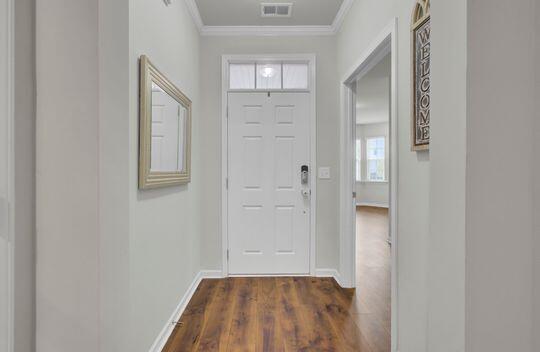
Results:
x,y
165,130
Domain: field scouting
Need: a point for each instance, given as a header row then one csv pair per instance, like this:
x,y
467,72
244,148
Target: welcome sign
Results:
x,y
421,62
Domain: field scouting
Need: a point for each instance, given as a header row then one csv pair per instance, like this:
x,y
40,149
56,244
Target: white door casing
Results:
x,y
268,206
384,43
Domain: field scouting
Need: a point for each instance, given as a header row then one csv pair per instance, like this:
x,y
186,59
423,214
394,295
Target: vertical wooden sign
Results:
x,y
421,76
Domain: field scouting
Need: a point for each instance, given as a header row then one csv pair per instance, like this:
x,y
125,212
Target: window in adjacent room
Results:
x,y
358,160
375,151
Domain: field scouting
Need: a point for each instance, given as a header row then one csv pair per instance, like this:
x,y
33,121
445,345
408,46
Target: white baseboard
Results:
x,y
371,204
211,274
329,273
167,330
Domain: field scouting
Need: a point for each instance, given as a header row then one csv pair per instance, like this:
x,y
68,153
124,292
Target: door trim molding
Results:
x,y
225,60
386,42
333,273
8,24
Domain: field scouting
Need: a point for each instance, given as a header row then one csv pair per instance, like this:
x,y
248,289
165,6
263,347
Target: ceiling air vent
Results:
x,y
276,10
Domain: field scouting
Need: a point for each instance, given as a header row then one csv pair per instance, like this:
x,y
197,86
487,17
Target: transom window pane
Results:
x,y
268,76
242,76
295,76
375,151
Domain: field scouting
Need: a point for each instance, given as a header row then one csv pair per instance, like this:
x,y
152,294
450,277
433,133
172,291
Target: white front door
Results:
x,y
268,203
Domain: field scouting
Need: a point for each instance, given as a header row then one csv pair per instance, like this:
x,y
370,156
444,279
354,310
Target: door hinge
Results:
x,y
226,183
227,113
227,255
354,194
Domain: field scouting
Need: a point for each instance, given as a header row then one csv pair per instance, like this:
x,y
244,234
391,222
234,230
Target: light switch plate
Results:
x,y
324,173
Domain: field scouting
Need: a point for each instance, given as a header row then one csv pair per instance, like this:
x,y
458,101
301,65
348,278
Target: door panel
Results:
x,y
268,214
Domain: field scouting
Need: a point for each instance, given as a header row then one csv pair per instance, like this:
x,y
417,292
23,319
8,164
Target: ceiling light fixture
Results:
x,y
268,72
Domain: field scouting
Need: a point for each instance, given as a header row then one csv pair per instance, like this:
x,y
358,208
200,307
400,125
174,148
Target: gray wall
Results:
x,y
446,268
25,176
327,135
67,167
500,123
165,224
114,173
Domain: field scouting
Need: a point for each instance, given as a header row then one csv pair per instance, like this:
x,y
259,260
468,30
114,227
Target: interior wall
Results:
x,y
499,225
212,48
366,19
373,193
114,171
446,269
67,110
165,223
25,176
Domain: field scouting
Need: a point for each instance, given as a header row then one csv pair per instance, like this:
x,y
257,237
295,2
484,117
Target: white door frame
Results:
x,y
225,61
7,90
384,43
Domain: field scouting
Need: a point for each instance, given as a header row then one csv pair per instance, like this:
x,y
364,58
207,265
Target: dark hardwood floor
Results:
x,y
294,313
373,276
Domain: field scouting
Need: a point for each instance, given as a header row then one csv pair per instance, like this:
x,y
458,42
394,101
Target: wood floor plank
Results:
x,y
186,335
375,332
244,325
322,336
295,333
269,337
337,302
215,335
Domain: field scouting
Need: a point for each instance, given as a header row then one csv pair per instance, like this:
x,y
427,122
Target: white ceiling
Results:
x,y
373,94
247,13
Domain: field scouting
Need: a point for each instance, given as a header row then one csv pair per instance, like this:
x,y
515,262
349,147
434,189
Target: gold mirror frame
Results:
x,y
155,179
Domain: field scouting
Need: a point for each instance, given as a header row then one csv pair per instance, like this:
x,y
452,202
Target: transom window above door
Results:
x,y
269,76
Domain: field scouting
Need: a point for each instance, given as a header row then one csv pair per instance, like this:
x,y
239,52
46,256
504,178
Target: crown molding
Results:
x,y
332,29
340,16
195,14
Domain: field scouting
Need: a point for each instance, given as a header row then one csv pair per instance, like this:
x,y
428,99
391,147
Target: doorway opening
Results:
x,y
369,185
373,243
